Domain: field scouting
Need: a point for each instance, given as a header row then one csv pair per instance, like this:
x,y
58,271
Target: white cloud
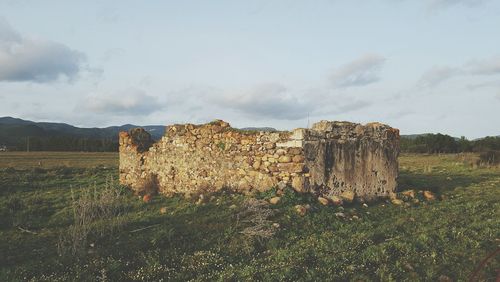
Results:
x,y
127,102
437,75
489,66
436,4
362,71
26,59
269,100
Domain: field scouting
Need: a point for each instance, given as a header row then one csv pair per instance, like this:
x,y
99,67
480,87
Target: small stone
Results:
x,y
284,159
348,196
276,225
256,165
355,217
298,184
340,214
163,210
270,146
281,152
409,193
323,201
201,200
428,195
233,206
336,200
365,205
301,210
147,198
397,202
281,185
298,159
274,200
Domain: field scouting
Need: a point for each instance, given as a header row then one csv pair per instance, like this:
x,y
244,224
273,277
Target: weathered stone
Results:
x,y
298,159
323,201
336,200
348,196
298,184
397,202
256,165
284,159
301,210
325,160
428,195
274,200
409,193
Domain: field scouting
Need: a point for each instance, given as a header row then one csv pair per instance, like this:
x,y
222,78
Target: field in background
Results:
x,y
27,160
227,237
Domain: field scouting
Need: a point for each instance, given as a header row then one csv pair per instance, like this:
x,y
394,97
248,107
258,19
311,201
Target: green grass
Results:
x,y
427,241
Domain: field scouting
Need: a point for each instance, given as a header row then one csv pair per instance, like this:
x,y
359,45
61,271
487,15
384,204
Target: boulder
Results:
x,y
348,196
323,201
274,200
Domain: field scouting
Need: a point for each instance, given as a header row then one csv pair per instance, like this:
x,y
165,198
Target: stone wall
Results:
x,y
328,159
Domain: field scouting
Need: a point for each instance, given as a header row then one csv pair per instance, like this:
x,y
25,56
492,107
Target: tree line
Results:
x,y
441,143
64,143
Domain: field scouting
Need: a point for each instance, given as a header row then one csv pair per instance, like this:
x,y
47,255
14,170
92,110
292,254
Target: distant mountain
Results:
x,y
12,130
266,129
414,136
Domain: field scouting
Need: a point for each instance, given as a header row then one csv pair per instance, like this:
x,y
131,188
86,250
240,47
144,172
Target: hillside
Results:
x,y
14,131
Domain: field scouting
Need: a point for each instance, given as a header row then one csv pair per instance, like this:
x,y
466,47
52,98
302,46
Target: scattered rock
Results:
x,y
233,206
323,201
348,196
276,225
355,217
201,200
163,210
336,200
340,214
274,200
301,210
428,195
365,205
409,193
147,198
298,184
397,202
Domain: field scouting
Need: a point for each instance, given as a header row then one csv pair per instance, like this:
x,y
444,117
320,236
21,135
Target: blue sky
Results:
x,y
421,66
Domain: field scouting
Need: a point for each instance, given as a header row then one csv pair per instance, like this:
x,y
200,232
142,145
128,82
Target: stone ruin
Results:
x,y
329,159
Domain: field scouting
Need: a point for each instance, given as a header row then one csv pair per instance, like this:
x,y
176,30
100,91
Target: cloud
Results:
x,y
25,59
363,71
437,75
437,4
269,100
127,102
484,67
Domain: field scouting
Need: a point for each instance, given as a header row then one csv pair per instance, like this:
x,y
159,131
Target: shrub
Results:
x,y
490,157
95,213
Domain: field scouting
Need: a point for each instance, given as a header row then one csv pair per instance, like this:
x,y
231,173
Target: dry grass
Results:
x,y
28,160
255,216
95,213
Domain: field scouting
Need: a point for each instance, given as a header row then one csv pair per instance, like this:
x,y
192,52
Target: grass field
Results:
x,y
230,238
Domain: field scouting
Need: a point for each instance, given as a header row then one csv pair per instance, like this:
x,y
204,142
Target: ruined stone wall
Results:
x,y
328,159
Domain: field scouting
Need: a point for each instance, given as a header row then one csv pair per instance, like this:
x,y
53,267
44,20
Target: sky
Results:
x,y
420,66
